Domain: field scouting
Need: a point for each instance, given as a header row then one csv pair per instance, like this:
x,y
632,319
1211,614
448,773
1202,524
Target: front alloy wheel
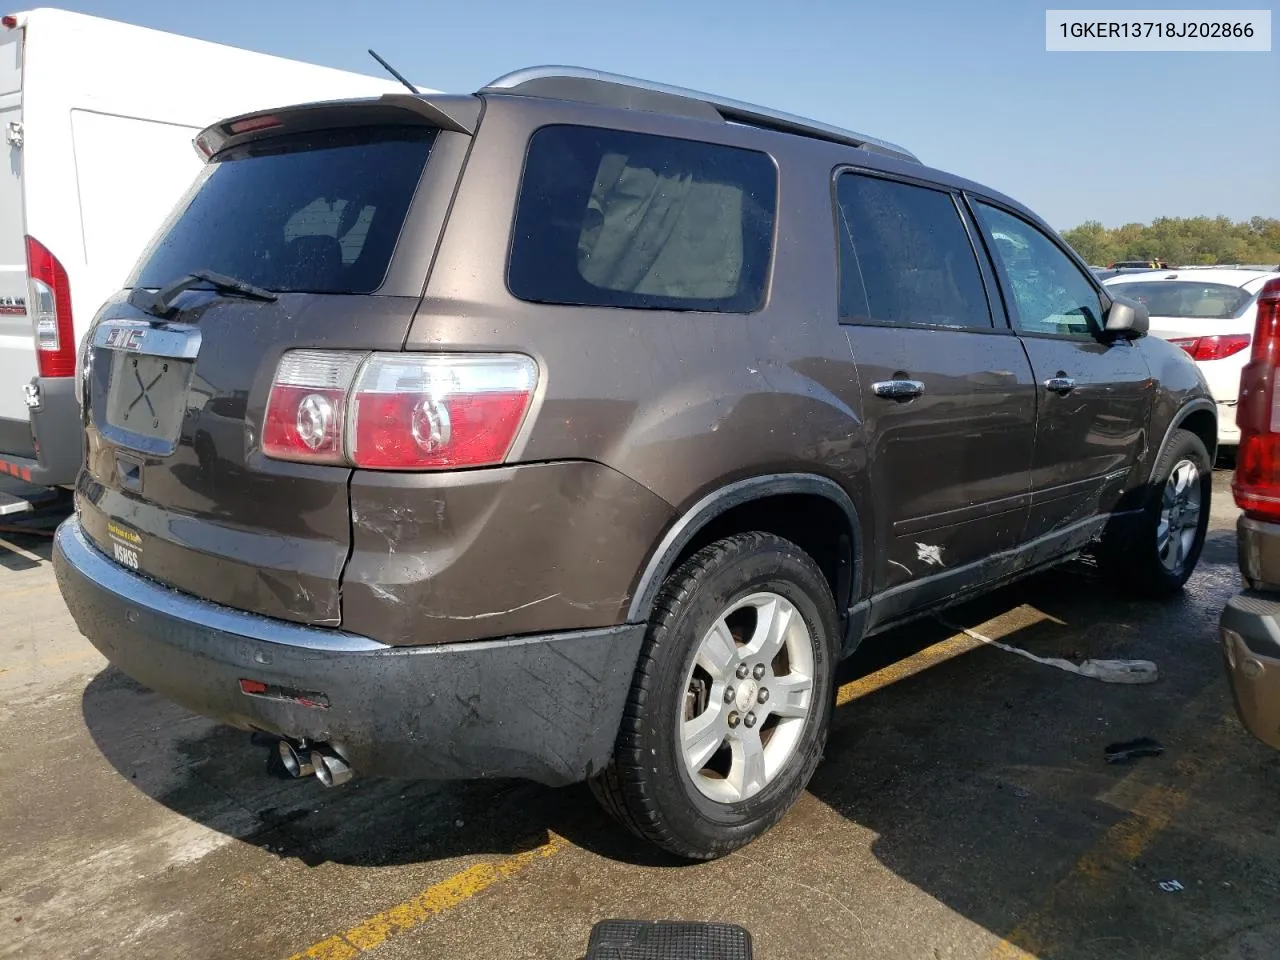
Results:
x,y
1179,524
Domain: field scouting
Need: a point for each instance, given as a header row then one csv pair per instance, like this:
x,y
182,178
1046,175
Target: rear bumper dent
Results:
x,y
545,708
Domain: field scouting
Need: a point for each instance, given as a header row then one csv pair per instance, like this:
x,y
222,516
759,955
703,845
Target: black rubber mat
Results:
x,y
668,940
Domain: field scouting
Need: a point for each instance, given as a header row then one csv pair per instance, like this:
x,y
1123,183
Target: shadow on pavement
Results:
x,y
983,777
29,536
985,781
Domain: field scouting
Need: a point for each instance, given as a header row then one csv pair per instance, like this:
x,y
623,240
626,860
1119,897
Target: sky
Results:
x,y
1115,137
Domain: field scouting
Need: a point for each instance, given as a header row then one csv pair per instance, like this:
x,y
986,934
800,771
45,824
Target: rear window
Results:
x,y
309,213
614,219
1186,298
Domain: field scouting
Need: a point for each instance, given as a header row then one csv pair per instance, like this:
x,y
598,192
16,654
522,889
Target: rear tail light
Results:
x,y
51,312
1213,348
1257,478
399,411
306,411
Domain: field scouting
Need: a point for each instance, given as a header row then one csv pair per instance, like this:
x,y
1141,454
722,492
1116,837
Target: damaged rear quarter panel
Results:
x,y
464,555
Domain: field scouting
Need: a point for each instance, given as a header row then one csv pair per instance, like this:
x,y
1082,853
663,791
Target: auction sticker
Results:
x,y
126,544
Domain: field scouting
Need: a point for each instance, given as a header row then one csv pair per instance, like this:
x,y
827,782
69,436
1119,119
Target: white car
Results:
x,y
1210,314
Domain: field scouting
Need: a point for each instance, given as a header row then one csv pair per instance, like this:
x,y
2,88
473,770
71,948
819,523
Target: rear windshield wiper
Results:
x,y
160,303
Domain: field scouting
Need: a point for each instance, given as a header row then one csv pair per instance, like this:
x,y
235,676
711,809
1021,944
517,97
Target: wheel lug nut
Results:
x,y
750,720
734,719
758,672
729,694
763,695
743,670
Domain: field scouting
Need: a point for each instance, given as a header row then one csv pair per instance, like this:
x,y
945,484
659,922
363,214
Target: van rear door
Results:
x,y
17,343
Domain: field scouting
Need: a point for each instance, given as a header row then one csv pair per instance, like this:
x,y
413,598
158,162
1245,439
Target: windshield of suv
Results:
x,y
307,213
1186,298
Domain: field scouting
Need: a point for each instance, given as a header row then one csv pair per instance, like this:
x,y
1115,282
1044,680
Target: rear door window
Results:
x,y
308,213
616,219
906,257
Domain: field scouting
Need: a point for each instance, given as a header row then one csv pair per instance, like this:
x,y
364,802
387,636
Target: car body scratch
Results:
x,y
382,593
929,553
495,613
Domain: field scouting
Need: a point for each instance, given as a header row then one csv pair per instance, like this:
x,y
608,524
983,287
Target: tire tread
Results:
x,y
621,788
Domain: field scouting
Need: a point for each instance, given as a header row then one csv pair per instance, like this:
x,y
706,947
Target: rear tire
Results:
x,y
732,696
1156,555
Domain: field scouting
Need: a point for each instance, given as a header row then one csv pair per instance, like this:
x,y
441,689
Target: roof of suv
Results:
x,y
590,89
608,89
571,84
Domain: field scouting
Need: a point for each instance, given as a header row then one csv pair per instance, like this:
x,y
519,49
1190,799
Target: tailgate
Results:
x,y
176,485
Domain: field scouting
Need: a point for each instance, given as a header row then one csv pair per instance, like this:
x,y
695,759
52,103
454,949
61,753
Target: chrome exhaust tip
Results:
x,y
331,769
296,759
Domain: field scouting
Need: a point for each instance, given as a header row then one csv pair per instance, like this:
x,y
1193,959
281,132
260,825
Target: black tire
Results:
x,y
647,786
1130,556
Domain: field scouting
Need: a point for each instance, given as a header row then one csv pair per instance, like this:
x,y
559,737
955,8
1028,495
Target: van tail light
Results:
x,y
397,411
1256,484
1213,348
50,311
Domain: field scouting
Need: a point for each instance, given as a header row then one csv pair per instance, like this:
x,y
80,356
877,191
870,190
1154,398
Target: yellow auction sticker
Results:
x,y
126,544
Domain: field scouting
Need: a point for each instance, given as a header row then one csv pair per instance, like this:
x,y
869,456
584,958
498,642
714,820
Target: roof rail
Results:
x,y
593,86
1230,266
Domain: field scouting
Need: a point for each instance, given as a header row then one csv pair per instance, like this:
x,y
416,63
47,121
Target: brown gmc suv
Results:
x,y
575,429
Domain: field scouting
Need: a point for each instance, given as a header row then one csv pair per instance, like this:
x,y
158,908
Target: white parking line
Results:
x,y
20,551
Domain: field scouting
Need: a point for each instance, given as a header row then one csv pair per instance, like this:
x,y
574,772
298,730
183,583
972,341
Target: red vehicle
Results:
x,y
1250,627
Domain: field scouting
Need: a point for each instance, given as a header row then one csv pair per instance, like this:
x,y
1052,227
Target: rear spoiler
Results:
x,y
460,114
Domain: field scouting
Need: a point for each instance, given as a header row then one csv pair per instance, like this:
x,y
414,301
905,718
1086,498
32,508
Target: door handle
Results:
x,y
900,390
1060,385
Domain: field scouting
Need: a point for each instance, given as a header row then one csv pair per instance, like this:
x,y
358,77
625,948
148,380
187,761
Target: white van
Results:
x,y
98,119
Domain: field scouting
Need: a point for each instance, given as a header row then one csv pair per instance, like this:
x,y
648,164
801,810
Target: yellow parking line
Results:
x,y
458,889
1046,930
916,663
1122,843
436,899
1017,619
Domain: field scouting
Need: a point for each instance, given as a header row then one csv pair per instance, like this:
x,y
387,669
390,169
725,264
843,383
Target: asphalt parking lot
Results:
x,y
964,809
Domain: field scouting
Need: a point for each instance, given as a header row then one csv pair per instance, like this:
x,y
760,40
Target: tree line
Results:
x,y
1180,241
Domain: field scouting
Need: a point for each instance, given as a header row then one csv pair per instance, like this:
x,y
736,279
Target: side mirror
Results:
x,y
1127,319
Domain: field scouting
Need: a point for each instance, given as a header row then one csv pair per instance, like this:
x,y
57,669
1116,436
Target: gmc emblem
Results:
x,y
125,338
